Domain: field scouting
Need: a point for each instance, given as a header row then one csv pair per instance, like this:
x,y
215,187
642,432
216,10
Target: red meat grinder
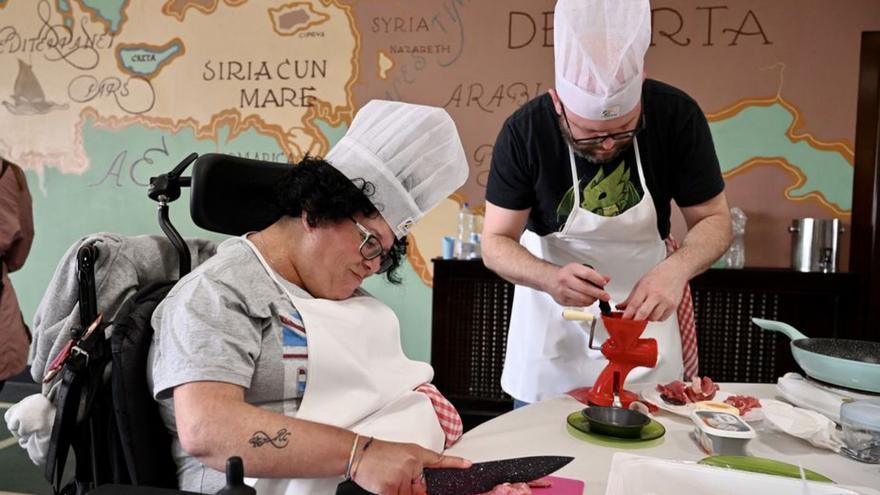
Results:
x,y
624,351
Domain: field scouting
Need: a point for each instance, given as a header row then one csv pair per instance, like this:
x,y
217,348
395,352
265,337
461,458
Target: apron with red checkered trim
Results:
x,y
359,379
547,355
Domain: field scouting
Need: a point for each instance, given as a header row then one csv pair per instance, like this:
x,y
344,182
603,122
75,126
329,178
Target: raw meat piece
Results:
x,y
541,483
744,403
510,489
652,408
519,488
640,407
679,393
673,393
701,389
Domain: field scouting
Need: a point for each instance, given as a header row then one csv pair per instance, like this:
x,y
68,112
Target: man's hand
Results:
x,y
390,468
657,294
576,285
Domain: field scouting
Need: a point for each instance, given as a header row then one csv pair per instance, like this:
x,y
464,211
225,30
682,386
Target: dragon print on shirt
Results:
x,y
603,195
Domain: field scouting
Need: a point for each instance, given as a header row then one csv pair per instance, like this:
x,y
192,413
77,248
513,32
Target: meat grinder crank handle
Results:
x,y
575,315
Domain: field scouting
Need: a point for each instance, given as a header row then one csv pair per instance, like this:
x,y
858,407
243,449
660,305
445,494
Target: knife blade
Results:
x,y
483,476
480,477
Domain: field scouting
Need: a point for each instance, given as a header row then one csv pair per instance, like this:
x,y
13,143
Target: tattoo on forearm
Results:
x,y
279,441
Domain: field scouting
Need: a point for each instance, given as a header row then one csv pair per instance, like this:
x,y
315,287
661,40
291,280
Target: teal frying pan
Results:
x,y
848,363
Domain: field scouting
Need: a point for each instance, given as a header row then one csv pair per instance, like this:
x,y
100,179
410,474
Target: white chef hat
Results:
x,y
410,153
599,50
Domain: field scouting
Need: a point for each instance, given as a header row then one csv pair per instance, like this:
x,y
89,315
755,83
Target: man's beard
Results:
x,y
588,152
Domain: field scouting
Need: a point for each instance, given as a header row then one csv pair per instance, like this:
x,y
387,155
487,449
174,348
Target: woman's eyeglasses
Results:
x,y
596,140
371,248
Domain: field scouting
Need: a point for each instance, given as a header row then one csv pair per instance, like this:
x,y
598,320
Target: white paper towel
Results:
x,y
803,423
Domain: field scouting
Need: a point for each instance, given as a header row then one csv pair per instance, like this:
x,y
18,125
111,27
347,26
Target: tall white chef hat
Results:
x,y
599,50
411,154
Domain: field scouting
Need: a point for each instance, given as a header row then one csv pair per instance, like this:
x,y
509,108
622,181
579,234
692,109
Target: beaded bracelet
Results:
x,y
361,457
351,456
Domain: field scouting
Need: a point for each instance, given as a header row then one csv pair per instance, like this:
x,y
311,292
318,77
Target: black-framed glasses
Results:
x,y
617,136
371,248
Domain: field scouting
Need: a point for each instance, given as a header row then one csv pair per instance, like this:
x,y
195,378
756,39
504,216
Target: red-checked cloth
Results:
x,y
448,416
686,325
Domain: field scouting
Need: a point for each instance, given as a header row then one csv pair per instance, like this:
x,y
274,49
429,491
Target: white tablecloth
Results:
x,y
540,429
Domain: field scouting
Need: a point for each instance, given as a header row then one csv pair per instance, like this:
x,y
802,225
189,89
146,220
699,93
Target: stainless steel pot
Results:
x,y
814,244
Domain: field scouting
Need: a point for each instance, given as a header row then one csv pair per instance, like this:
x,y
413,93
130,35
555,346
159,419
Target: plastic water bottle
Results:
x,y
465,228
476,248
735,257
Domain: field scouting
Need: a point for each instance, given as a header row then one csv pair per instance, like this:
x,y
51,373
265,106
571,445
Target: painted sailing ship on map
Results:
x,y
28,97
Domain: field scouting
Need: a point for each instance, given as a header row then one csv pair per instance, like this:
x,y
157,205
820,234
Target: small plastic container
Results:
x,y
860,422
721,433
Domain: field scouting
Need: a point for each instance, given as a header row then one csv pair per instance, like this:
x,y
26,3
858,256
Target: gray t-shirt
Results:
x,y
227,321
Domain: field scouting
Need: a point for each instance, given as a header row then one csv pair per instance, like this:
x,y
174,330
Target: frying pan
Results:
x,y
848,363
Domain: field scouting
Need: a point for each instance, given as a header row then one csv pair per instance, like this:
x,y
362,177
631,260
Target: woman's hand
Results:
x,y
390,468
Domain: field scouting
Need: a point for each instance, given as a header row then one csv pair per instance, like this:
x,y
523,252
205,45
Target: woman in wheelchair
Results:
x,y
271,351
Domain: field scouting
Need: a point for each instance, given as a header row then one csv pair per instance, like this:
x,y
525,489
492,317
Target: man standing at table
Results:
x,y
584,175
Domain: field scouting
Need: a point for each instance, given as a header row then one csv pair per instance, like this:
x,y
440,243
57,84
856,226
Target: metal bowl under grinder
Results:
x,y
615,421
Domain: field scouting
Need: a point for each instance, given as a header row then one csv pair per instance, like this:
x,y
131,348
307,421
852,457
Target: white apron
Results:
x,y
359,379
548,356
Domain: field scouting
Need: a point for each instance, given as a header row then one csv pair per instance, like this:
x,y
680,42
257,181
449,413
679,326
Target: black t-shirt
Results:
x,y
530,164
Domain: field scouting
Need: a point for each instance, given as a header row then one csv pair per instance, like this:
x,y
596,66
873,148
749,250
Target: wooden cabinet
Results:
x,y
470,316
471,313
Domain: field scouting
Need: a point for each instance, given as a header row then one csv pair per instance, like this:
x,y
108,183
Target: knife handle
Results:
x,y
349,487
604,307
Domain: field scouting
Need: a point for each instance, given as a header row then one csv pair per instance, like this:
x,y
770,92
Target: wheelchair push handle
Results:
x,y
166,187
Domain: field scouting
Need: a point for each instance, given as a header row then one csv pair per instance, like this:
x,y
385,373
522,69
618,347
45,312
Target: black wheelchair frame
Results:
x,y
97,416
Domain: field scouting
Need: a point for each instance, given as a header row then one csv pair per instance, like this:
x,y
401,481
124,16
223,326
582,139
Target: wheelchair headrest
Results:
x,y
234,195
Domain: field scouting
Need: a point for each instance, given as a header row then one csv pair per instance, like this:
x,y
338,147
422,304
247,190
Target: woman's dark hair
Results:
x,y
327,196
16,170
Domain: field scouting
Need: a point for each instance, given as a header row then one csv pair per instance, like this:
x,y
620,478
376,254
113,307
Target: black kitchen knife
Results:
x,y
480,477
